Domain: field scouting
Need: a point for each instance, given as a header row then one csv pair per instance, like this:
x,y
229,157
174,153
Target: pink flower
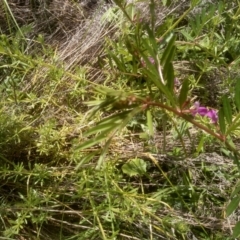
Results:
x,y
205,112
151,60
177,82
213,115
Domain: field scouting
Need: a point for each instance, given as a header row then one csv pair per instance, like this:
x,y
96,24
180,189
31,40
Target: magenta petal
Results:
x,y
196,104
213,115
151,60
202,111
205,112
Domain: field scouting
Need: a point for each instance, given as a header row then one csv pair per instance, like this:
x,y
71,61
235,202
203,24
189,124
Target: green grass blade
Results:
x,y
221,120
236,230
232,206
106,128
87,144
227,109
168,53
183,93
237,95
168,74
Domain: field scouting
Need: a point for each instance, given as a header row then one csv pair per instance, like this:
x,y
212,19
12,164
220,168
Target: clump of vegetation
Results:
x,y
119,121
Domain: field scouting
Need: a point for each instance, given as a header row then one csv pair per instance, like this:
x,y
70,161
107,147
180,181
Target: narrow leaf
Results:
x,y
221,120
232,206
152,38
235,124
227,109
119,64
170,55
168,74
166,62
103,154
108,124
166,3
237,95
102,128
236,190
153,15
236,230
92,142
183,93
154,77
167,51
86,159
115,118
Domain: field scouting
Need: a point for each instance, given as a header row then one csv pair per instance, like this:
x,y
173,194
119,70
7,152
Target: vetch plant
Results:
x,y
158,72
156,149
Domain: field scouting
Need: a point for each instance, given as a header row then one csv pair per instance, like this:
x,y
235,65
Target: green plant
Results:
x,y
147,58
150,154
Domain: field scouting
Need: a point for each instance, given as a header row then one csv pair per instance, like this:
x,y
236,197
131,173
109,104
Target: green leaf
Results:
x,y
235,124
194,3
120,65
135,167
92,142
108,124
236,230
86,159
232,206
227,109
168,53
152,7
185,33
153,75
168,75
150,123
103,128
237,95
130,10
166,3
151,36
116,118
166,62
235,158
236,190
100,105
221,120
103,154
124,122
183,93
200,147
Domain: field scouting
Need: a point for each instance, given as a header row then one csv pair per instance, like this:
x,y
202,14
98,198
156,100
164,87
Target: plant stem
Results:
x,y
187,118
